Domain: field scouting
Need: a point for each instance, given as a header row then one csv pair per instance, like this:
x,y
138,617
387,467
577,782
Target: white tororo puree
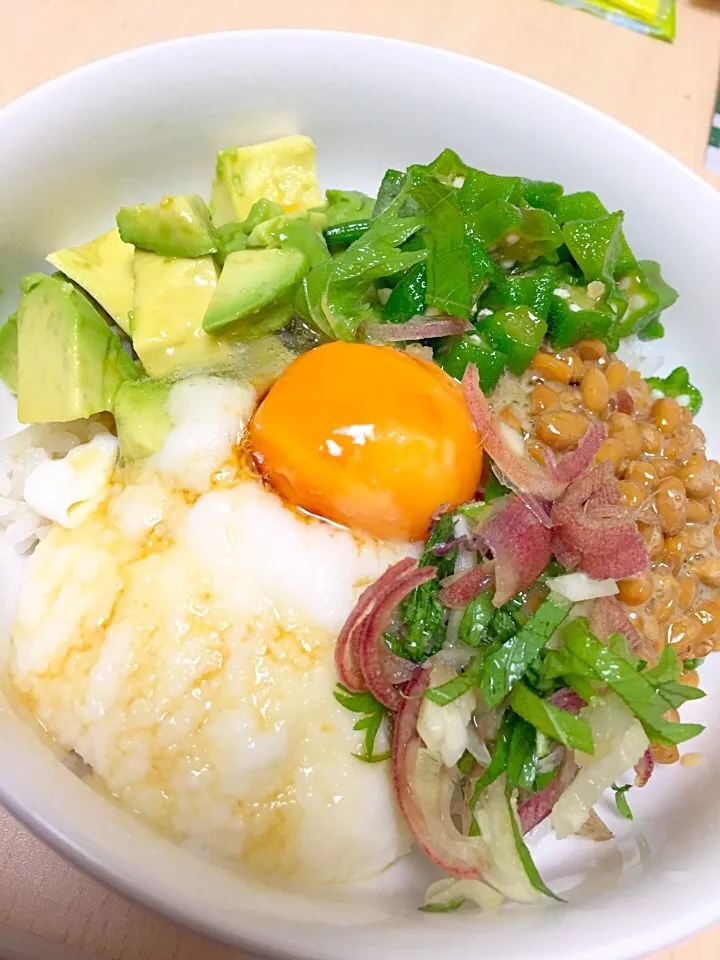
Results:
x,y
180,639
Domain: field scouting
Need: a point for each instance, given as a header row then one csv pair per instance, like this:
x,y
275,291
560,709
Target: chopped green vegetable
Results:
x,y
589,656
448,167
458,352
543,779
653,331
621,801
586,205
480,189
647,296
677,384
422,611
448,907
693,664
594,245
542,193
573,732
390,188
476,619
533,289
508,665
448,266
517,332
514,234
526,859
346,232
521,764
365,703
574,314
452,689
498,762
494,489
408,297
344,206
465,763
343,296
300,235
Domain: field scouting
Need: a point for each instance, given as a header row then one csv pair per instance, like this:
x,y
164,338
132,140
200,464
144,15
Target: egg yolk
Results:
x,y
368,437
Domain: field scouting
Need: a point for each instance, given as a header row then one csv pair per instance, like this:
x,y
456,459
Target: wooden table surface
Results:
x,y
666,92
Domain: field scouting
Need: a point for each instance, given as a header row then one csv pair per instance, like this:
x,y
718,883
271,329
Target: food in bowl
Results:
x,y
348,524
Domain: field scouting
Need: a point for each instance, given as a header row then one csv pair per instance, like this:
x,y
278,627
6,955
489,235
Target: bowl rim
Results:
x,y
660,935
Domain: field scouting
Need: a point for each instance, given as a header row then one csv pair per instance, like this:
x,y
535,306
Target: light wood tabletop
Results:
x,y
665,92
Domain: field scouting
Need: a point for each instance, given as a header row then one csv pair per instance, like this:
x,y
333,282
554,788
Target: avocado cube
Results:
x,y
282,171
70,363
103,268
254,293
9,352
171,297
174,227
142,417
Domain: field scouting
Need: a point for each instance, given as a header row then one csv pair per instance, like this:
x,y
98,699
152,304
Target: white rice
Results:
x,y
21,450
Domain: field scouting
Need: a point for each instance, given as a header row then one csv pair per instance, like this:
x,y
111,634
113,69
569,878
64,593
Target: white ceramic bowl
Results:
x,y
150,121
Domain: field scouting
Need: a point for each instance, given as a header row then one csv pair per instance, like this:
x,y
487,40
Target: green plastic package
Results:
x,y
656,17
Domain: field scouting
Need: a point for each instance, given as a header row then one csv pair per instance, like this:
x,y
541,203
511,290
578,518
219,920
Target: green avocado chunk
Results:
x,y
171,297
70,363
103,267
254,293
174,227
282,171
142,417
9,352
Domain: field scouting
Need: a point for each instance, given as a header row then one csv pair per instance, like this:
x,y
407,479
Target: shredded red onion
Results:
x,y
567,699
607,617
540,508
416,329
465,588
428,813
348,666
520,545
381,669
644,768
574,464
523,472
596,529
539,806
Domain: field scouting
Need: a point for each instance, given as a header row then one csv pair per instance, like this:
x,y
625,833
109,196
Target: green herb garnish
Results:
x,y
364,703
621,801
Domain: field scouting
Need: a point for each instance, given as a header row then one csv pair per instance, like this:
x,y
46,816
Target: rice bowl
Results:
x,y
551,870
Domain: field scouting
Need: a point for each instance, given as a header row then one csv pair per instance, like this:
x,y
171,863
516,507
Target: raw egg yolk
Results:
x,y
368,437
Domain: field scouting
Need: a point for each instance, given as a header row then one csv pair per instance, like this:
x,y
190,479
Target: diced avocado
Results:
x,y
299,235
9,352
345,206
142,417
254,293
103,267
174,227
282,171
261,211
269,232
70,363
171,297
